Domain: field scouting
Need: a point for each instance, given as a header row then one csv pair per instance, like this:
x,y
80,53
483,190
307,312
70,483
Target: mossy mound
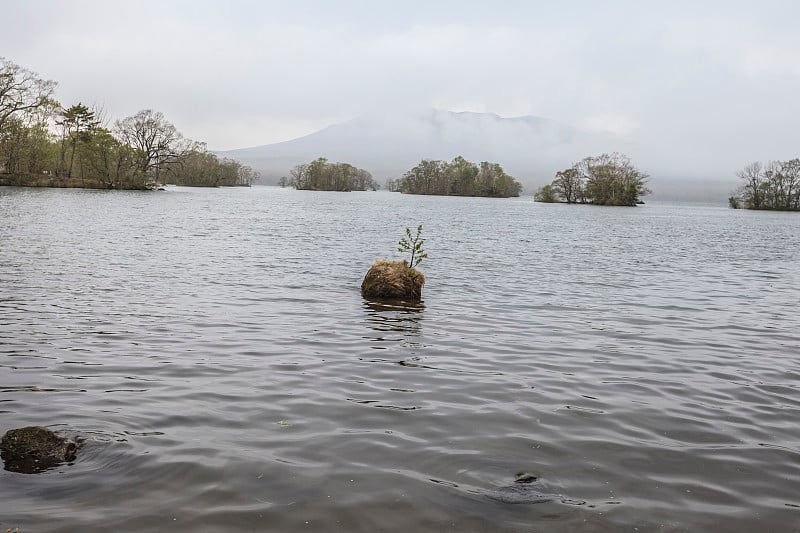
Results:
x,y
34,449
393,280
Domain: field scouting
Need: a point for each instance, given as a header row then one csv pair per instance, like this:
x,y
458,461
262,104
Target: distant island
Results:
x,y
44,144
607,179
774,186
457,178
320,175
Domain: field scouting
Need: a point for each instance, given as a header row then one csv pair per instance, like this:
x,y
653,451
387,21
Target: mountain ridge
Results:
x,y
528,146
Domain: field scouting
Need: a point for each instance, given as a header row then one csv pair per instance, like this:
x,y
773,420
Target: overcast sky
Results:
x,y
724,76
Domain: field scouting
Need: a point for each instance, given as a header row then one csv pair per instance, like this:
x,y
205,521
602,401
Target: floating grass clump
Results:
x,y
398,280
394,280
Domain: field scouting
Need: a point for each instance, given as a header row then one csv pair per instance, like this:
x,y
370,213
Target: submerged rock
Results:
x,y
525,489
34,449
393,280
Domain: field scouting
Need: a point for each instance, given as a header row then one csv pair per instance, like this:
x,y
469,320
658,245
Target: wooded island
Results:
x,y
457,178
607,179
320,175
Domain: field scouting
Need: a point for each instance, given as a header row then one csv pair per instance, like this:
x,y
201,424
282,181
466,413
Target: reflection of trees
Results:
x,y
386,318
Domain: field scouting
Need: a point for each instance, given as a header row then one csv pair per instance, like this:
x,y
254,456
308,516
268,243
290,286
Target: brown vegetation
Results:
x,y
47,180
393,280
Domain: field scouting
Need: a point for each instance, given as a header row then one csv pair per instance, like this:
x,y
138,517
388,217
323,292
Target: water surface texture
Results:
x,y
213,349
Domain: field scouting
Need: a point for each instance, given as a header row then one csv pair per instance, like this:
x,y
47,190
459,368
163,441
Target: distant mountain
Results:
x,y
529,148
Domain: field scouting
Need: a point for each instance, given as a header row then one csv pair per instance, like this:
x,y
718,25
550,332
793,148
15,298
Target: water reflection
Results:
x,y
394,305
394,316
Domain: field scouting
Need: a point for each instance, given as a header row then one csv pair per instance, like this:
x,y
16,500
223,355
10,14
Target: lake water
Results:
x,y
213,349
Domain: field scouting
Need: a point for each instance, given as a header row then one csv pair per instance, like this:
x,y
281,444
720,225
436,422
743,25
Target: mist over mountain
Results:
x,y
388,145
530,148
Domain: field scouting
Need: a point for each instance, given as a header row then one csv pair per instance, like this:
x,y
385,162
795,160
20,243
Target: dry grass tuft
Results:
x,y
393,280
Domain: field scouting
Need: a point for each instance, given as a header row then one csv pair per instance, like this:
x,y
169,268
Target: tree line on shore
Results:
x,y
773,186
44,143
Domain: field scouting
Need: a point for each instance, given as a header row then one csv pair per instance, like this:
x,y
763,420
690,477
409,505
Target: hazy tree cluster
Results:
x,y
200,168
45,143
775,185
607,179
320,175
457,178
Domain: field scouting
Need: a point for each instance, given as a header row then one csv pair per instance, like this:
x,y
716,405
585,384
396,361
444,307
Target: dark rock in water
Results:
x,y
524,477
34,449
525,489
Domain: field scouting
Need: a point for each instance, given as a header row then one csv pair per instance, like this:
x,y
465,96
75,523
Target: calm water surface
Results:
x,y
213,349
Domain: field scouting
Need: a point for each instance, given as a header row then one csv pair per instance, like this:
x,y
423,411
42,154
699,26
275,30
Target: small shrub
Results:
x,y
413,245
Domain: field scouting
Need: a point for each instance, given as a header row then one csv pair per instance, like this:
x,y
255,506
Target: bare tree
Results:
x,y
775,185
156,141
246,175
753,177
21,91
569,185
791,173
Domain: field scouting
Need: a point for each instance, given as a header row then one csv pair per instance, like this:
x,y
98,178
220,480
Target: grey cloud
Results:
x,y
699,89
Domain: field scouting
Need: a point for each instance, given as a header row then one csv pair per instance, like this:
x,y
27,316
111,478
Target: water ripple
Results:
x,y
212,350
